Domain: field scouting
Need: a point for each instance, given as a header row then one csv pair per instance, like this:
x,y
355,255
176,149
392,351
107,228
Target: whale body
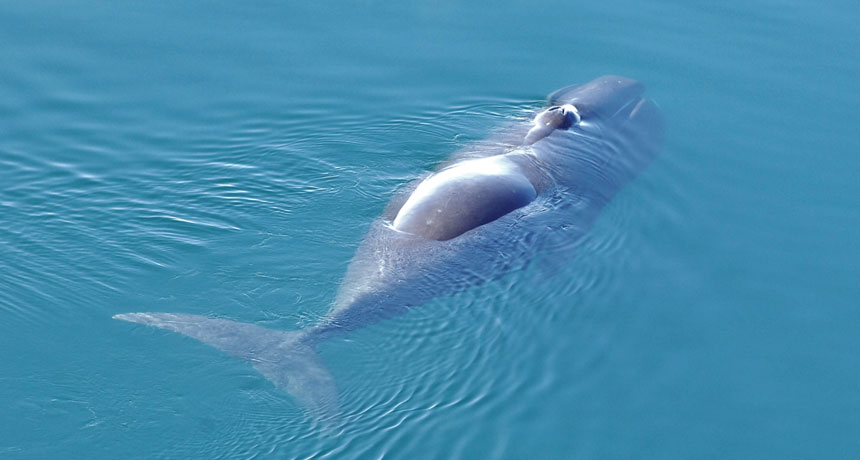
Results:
x,y
492,208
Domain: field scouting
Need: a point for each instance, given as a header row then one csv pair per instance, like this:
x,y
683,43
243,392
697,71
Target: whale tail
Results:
x,y
283,357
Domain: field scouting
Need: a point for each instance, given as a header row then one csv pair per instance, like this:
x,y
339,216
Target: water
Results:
x,y
226,159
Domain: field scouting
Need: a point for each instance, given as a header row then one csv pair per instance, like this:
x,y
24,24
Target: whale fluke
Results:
x,y
281,356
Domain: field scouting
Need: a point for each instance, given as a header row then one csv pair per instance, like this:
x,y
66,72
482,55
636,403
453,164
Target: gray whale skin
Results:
x,y
528,191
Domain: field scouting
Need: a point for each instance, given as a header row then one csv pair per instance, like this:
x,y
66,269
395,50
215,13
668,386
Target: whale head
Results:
x,y
618,132
600,98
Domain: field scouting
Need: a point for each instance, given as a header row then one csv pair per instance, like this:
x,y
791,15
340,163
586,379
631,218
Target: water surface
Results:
x,y
226,159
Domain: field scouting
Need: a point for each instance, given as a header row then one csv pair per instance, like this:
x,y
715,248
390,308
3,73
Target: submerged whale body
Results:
x,y
490,209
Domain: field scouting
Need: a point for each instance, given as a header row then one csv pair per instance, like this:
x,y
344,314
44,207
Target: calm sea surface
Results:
x,y
226,158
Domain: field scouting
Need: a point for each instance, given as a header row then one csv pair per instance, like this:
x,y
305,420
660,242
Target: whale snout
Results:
x,y
614,110
602,97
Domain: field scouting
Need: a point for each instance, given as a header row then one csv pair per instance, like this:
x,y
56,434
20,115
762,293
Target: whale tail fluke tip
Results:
x,y
283,357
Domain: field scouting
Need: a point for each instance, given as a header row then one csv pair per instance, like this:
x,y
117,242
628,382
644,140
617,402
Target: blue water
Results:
x,y
225,159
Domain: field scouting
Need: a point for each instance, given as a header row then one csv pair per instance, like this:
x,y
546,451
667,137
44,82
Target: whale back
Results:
x,y
464,196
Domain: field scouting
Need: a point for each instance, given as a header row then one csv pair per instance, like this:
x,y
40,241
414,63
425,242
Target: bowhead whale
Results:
x,y
487,211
